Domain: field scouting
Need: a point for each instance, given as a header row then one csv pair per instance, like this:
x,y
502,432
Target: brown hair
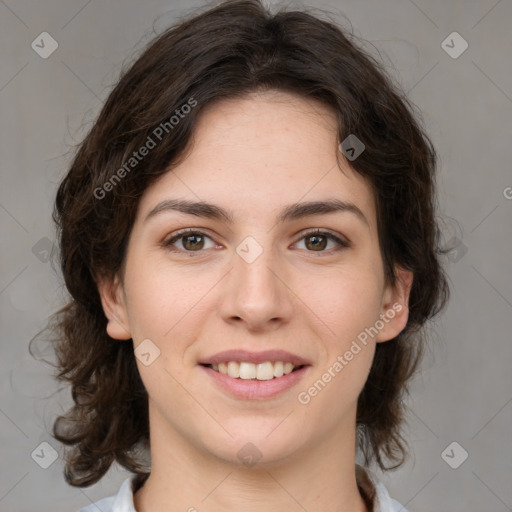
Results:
x,y
230,50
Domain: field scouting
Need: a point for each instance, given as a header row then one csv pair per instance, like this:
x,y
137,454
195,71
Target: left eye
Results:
x,y
318,240
194,241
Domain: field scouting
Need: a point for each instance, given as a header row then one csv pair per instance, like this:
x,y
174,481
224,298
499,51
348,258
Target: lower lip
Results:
x,y
253,389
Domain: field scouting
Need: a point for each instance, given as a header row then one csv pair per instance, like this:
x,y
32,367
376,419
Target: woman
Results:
x,y
248,237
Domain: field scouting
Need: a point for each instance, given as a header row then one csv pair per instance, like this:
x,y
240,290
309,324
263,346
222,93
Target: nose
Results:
x,y
256,293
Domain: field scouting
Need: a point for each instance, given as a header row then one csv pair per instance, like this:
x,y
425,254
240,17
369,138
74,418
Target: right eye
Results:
x,y
191,241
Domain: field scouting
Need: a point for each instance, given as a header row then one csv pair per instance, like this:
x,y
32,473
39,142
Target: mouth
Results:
x,y
250,375
245,370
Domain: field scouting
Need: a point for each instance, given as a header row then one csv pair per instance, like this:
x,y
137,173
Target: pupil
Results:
x,y
316,244
196,237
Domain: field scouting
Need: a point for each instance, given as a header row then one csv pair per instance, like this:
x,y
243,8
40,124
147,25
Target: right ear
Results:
x,y
114,307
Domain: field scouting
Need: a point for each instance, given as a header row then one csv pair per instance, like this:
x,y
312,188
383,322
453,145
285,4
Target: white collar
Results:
x,y
367,481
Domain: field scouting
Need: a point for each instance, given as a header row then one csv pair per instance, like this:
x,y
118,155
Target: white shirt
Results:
x,y
382,502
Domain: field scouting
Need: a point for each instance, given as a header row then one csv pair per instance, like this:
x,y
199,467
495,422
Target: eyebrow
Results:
x,y
290,212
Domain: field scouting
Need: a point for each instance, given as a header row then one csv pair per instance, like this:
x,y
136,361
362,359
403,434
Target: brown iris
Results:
x,y
319,245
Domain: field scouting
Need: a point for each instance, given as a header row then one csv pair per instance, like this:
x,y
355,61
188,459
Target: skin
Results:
x,y
254,156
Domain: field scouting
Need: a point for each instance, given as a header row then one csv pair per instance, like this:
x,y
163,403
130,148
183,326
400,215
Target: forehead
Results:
x,y
260,152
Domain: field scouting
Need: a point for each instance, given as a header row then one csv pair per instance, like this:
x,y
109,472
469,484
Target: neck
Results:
x,y
186,478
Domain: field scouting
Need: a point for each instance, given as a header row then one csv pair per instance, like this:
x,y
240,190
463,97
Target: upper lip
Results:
x,y
254,357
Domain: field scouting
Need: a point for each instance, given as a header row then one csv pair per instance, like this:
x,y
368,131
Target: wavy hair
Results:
x,y
229,50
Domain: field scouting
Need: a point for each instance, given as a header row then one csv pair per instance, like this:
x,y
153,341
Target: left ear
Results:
x,y
395,306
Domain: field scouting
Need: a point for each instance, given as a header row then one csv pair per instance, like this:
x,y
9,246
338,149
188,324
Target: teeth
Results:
x,y
278,369
233,369
288,367
264,371
247,371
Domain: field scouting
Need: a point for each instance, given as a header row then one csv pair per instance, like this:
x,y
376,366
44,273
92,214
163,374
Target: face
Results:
x,y
309,283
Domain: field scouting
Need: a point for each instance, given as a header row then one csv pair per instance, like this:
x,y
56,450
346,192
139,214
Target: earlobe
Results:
x,y
395,309
112,300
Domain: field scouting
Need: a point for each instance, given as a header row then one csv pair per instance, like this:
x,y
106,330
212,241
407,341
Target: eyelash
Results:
x,y
168,244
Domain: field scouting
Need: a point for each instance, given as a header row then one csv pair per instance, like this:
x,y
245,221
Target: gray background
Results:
x,y
464,391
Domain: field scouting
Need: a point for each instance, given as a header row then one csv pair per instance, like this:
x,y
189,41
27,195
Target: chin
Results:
x,y
254,448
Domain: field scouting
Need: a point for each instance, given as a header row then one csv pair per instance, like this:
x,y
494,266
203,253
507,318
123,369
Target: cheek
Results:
x,y
333,391
349,308
160,301
347,302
